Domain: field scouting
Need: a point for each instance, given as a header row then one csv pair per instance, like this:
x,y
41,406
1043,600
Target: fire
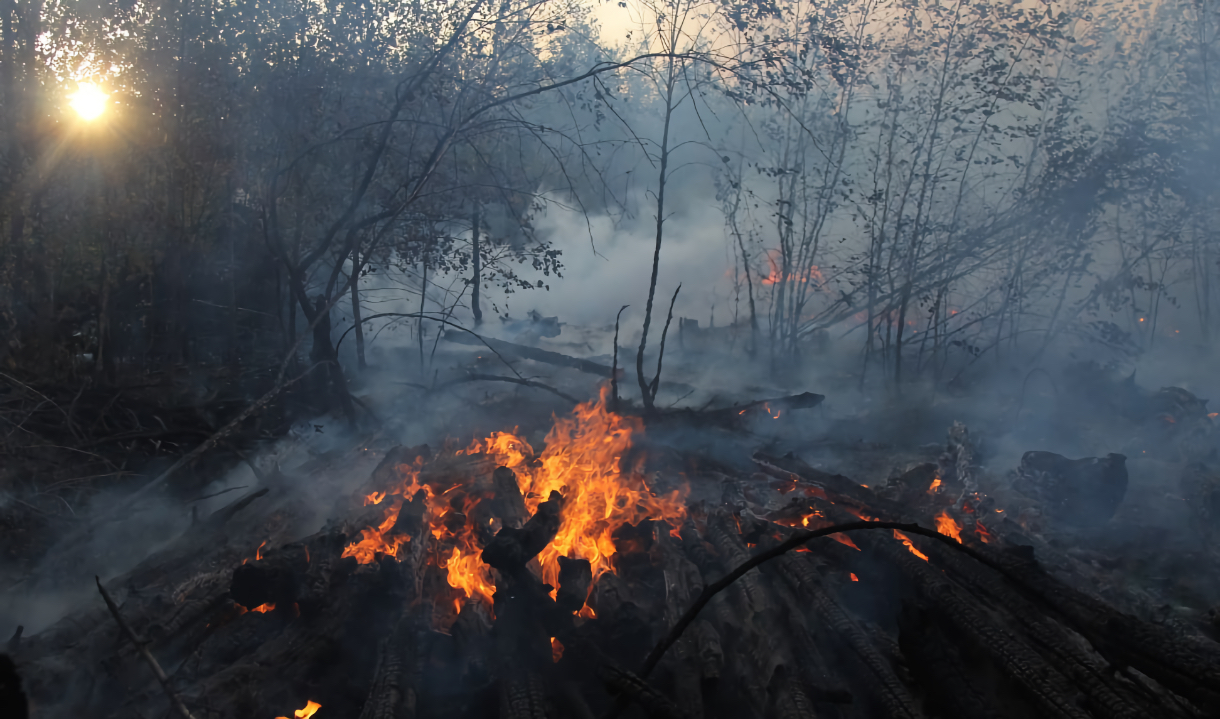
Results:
x,y
311,708
374,540
947,525
583,462
556,650
854,578
905,540
816,521
374,498
775,276
264,608
258,553
935,486
469,574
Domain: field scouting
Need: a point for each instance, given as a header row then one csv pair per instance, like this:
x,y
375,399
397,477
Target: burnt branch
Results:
x,y
142,647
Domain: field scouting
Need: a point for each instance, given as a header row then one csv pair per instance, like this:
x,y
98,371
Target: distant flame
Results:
x,y
948,526
935,486
264,608
310,709
854,578
906,541
776,275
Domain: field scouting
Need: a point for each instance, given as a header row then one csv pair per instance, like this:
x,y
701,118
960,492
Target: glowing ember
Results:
x,y
948,526
815,520
264,608
982,532
900,536
935,486
556,650
854,578
310,709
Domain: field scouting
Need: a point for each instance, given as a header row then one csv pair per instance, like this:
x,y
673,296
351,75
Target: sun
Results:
x,y
89,101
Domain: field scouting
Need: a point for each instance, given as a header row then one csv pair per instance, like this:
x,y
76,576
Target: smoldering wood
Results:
x,y
1080,492
512,548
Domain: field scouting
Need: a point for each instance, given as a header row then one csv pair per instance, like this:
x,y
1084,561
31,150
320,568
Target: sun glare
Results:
x,y
89,101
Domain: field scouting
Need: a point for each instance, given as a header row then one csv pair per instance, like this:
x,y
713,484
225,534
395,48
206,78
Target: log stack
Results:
x,y
871,624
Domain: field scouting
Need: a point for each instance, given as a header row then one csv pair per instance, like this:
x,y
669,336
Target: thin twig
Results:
x,y
473,377
656,380
142,647
614,363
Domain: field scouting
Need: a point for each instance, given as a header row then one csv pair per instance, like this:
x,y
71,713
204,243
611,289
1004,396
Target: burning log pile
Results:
x,y
599,578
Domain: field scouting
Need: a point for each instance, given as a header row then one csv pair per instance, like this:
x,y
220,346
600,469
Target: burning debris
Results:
x,y
605,575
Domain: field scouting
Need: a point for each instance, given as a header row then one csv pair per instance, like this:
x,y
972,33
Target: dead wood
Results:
x,y
855,647
575,578
1065,651
655,704
507,503
1046,685
174,699
511,549
511,349
952,690
1080,492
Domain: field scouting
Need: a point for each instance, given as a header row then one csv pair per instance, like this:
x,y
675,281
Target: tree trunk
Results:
x,y
475,272
356,265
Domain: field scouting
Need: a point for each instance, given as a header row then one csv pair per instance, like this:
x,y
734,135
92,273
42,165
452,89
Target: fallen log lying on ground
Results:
x,y
582,581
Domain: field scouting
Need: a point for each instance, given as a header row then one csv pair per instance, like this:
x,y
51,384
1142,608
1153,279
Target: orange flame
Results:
x,y
948,526
556,650
583,462
311,708
815,520
776,275
264,608
935,486
854,578
907,541
374,498
258,553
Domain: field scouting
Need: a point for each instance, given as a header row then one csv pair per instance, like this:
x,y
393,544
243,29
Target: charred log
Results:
x,y
1082,492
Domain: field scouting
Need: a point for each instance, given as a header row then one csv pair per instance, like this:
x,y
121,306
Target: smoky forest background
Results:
x,y
281,204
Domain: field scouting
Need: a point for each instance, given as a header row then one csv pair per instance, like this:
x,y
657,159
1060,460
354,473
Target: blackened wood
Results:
x,y
1046,685
787,698
884,686
1189,666
1080,492
507,504
575,577
512,548
950,688
655,704
391,696
1086,670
